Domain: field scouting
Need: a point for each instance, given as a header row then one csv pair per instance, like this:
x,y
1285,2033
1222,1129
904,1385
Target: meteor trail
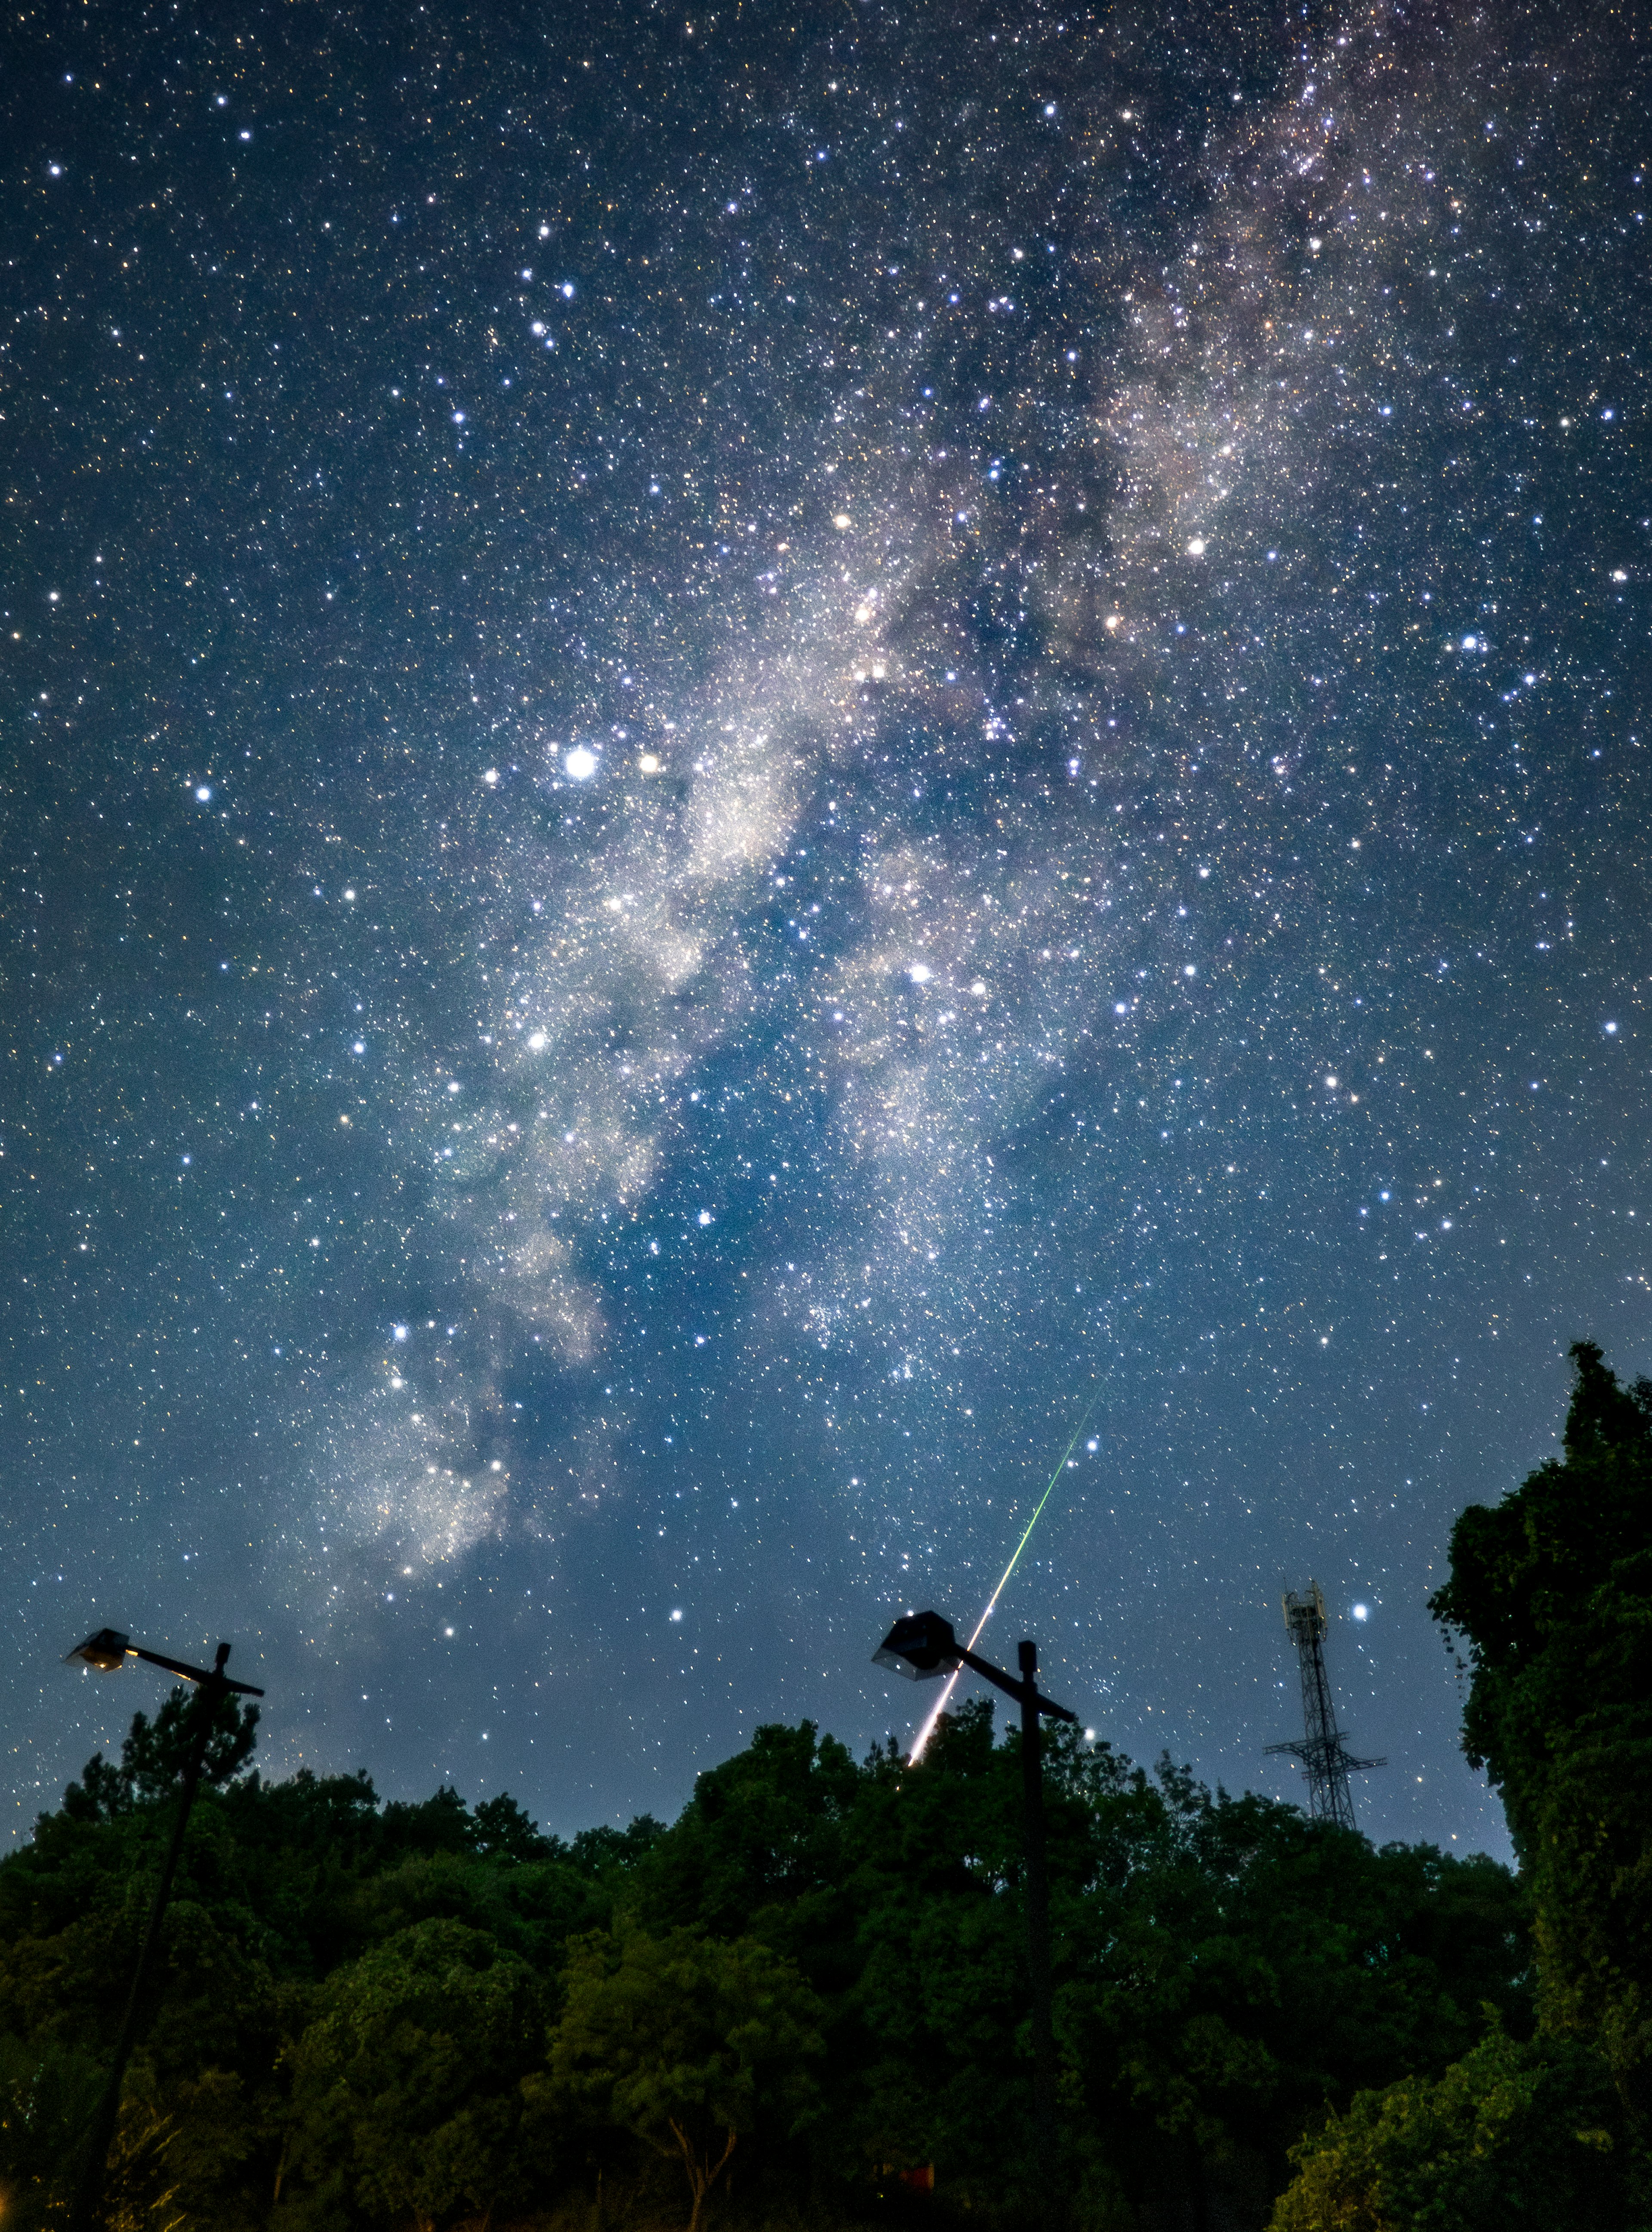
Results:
x,y
952,1683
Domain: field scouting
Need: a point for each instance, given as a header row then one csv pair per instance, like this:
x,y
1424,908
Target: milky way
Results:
x,y
741,754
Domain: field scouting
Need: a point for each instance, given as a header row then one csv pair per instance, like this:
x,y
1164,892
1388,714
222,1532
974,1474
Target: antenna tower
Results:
x,y
1326,1761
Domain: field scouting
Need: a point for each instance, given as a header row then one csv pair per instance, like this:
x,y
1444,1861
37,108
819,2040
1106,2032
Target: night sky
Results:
x,y
741,753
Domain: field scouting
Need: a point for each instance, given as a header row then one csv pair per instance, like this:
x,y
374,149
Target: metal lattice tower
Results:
x,y
1326,1761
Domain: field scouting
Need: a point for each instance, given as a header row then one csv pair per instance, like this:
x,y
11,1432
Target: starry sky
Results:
x,y
744,752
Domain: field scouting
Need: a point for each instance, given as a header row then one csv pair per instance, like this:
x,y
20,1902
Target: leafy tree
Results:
x,y
102,1794
688,2042
442,1824
938,1990
406,2084
1511,2138
352,2004
1224,1969
1232,1969
47,2093
504,1832
764,1836
1552,1589
606,1852
155,1753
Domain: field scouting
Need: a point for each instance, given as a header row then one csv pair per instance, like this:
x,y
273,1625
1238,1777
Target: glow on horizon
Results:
x,y
951,1682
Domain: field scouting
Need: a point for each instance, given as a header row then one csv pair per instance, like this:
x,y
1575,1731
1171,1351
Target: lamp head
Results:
x,y
106,1650
919,1646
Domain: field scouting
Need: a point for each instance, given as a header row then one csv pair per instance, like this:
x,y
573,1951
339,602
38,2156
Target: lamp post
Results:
x,y
923,1646
106,1651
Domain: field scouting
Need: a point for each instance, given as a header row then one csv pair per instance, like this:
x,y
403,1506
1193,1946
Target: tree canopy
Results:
x,y
687,2041
427,2014
1552,1590
1509,2137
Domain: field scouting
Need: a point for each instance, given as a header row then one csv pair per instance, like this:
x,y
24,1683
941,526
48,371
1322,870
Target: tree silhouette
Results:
x,y
688,2041
1552,1588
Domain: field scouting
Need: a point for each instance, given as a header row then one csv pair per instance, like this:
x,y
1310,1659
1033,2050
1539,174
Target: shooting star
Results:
x,y
952,1683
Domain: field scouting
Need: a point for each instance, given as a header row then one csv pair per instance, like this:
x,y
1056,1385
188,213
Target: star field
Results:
x,y
742,750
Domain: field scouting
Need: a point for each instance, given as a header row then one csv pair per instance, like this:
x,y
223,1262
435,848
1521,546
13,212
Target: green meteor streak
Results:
x,y
925,1732
1043,1500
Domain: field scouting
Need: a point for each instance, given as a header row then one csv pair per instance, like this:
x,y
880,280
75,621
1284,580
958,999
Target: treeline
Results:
x,y
398,2015
808,1993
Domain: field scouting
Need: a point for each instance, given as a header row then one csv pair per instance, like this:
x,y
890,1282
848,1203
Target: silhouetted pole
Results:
x,y
214,1688
1038,1921
921,1647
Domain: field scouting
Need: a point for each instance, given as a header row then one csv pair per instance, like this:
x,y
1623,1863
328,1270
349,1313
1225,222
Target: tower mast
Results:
x,y
1326,1761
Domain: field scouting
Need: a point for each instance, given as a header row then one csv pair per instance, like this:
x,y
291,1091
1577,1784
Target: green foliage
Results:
x,y
153,1756
1243,1968
1511,2138
371,2015
503,1832
406,2084
687,2041
1552,1589
282,1888
47,2093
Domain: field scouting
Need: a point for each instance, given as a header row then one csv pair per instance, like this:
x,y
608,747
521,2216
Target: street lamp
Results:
x,y
921,1647
106,1651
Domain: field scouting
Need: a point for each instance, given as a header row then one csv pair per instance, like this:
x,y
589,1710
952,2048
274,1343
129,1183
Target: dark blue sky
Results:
x,y
742,752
